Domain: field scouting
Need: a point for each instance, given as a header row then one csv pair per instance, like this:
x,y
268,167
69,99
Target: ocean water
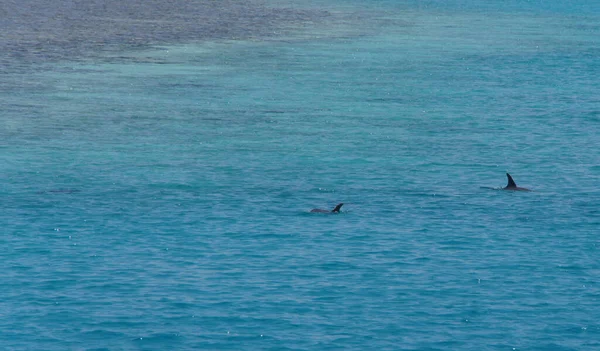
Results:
x,y
159,162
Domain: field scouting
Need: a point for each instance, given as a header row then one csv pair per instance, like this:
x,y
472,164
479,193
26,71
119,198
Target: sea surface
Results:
x,y
159,161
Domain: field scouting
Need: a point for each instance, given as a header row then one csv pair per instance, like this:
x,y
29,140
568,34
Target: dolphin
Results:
x,y
335,210
512,185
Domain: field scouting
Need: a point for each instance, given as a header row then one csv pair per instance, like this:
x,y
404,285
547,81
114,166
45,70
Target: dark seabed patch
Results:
x,y
34,31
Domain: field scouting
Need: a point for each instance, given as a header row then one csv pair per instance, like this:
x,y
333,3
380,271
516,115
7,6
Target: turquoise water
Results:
x,y
156,192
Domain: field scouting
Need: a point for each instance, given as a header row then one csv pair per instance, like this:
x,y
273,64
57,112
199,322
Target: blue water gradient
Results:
x,y
156,195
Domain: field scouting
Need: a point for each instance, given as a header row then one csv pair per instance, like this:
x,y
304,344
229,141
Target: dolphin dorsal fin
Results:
x,y
337,208
511,182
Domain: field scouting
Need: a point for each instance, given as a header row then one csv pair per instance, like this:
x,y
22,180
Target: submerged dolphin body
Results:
x,y
512,185
335,210
59,191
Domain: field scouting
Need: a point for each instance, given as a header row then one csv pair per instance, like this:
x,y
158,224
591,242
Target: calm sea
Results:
x,y
159,161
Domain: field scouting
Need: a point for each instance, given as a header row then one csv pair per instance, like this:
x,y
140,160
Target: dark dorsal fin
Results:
x,y
511,183
337,208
